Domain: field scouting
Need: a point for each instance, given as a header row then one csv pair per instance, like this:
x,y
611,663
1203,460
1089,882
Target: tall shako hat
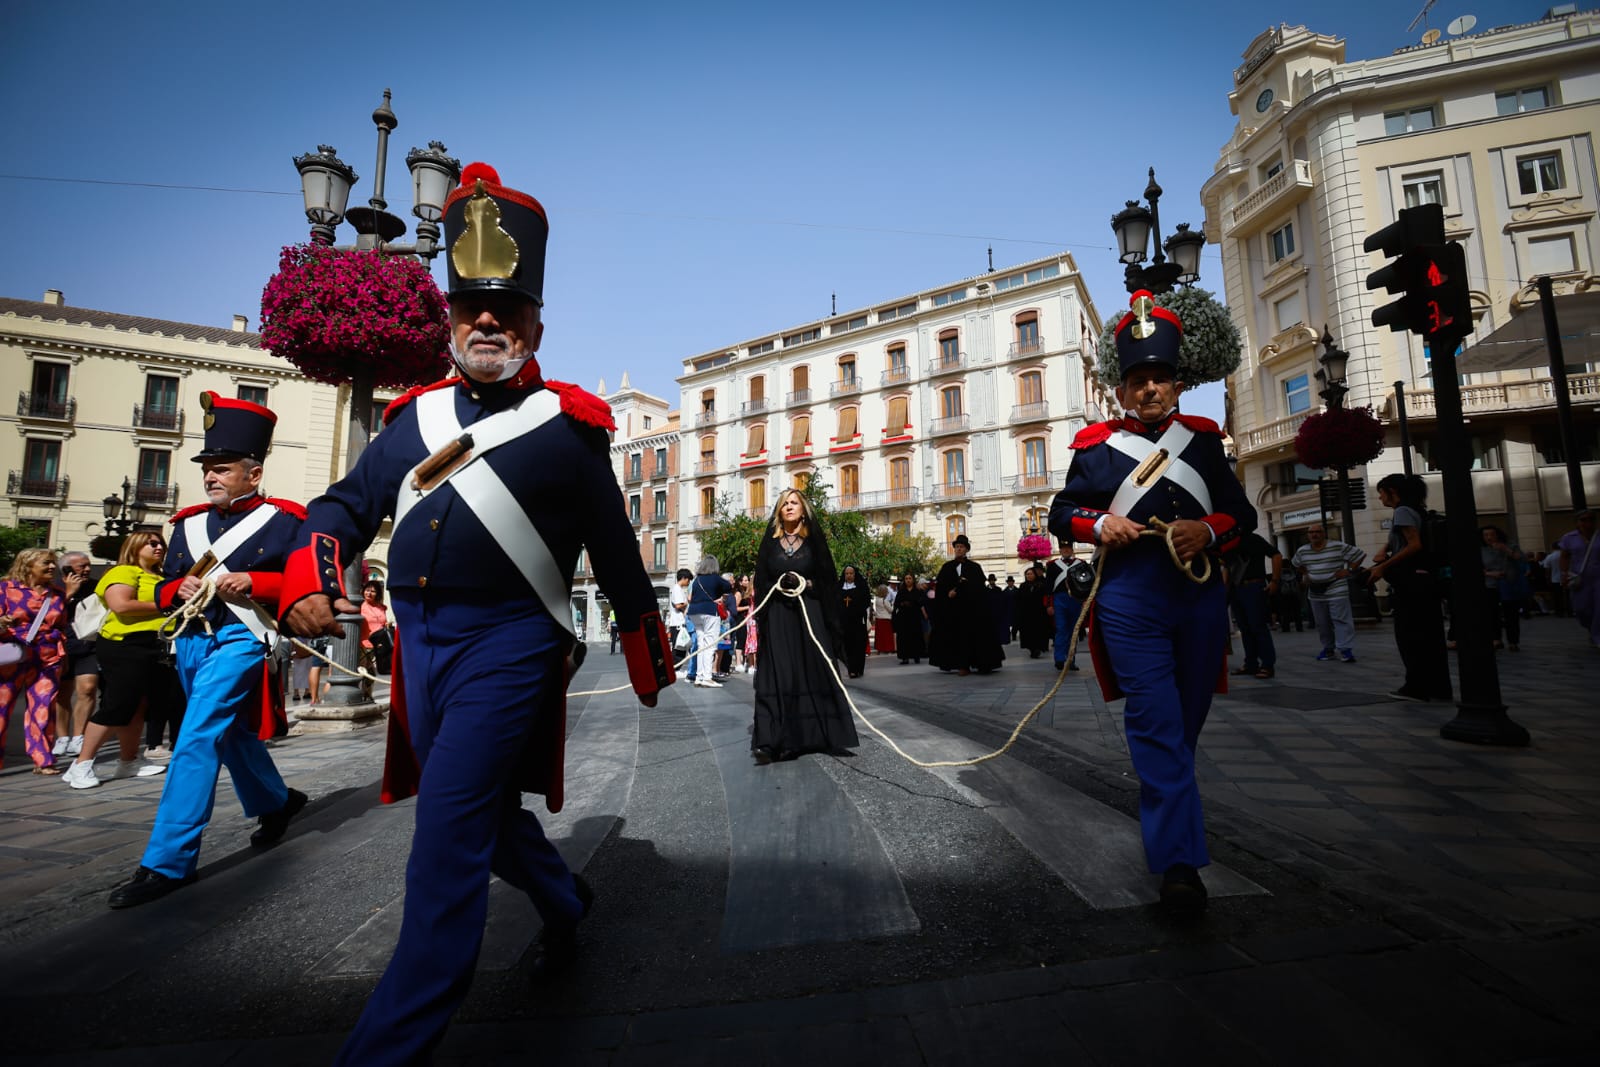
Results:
x,y
235,429
496,237
1148,334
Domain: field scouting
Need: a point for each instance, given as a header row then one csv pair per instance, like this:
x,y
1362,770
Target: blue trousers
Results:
x,y
1067,610
1165,637
1254,616
476,675
220,674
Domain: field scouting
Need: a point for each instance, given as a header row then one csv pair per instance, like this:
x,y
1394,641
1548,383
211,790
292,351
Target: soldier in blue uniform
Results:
x,y
496,480
1157,637
224,671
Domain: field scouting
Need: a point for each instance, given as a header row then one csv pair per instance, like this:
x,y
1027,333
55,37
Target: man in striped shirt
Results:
x,y
1324,566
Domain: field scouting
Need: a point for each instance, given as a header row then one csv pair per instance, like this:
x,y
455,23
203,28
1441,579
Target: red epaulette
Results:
x,y
583,405
398,403
297,510
192,509
1098,434
1199,423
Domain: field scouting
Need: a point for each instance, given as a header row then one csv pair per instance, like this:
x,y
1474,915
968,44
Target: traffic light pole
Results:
x,y
1480,713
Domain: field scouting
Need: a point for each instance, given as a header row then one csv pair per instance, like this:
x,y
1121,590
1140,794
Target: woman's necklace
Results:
x,y
791,543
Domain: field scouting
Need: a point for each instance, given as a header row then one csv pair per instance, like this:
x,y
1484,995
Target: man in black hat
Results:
x,y
496,480
964,634
237,540
1156,636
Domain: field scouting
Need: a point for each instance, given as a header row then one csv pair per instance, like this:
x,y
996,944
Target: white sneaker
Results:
x,y
712,685
81,775
137,768
75,745
160,752
61,747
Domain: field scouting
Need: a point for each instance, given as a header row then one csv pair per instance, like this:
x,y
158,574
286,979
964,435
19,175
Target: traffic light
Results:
x,y
1428,274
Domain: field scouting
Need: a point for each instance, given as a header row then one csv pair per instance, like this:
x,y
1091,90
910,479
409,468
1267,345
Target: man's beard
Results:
x,y
494,366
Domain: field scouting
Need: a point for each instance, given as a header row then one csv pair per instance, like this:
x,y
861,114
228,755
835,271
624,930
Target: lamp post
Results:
x,y
123,514
1331,376
325,182
1134,226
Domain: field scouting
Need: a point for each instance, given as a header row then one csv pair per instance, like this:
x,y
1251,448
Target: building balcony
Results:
x,y
1038,483
905,496
896,376
953,424
754,407
949,490
1507,397
706,418
760,511
658,567
1024,349
703,522
637,520
845,387
794,452
797,398
44,406
1283,190
156,495
1271,435
53,489
1039,412
147,418
705,468
948,364
633,477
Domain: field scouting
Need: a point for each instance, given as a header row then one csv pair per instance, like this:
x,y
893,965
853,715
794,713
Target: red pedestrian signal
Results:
x,y
1428,274
1446,303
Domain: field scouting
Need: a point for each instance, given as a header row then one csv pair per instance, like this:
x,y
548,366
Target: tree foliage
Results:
x,y
880,556
14,539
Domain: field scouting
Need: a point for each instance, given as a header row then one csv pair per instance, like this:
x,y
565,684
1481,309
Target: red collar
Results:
x,y
242,505
1134,424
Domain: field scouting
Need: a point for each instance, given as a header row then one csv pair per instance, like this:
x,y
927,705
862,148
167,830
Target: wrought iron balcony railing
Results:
x,y
754,407
953,424
896,375
45,406
706,418
845,387
148,418
948,364
156,494
1039,412
949,490
1032,346
19,484
799,396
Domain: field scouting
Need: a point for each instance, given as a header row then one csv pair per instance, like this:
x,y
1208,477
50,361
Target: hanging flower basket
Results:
x,y
1211,342
1339,437
333,314
1034,547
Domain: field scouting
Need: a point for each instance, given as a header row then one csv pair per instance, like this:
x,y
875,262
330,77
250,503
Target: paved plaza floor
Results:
x,y
1380,895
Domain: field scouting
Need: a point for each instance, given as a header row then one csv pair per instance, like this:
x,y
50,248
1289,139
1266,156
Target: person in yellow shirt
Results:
x,y
133,663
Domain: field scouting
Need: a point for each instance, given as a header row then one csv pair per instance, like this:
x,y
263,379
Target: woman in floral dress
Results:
x,y
31,679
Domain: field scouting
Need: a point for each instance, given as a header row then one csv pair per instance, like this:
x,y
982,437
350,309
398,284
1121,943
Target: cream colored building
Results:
x,y
1499,127
103,397
941,412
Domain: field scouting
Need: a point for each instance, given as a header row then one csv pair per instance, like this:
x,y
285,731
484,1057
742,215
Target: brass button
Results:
x,y
330,572
433,524
422,583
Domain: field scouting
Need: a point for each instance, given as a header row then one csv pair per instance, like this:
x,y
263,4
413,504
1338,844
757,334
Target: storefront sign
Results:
x,y
1302,517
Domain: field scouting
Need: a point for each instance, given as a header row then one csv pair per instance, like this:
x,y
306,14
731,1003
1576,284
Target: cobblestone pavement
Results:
x,y
1381,895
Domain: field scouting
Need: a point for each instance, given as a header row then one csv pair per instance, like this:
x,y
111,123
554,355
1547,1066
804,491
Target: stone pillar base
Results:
x,y
336,718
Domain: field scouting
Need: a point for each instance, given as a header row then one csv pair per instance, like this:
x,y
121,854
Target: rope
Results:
x,y
194,609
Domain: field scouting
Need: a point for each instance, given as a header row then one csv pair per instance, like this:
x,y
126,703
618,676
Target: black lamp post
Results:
x,y
1134,225
1331,377
124,513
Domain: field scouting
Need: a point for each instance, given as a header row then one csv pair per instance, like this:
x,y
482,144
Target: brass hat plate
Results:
x,y
484,250
205,405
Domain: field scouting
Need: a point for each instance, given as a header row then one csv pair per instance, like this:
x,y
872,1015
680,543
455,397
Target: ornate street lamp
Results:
x,y
1134,226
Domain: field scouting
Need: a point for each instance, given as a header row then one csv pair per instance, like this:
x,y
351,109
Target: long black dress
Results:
x,y
799,707
853,605
1034,624
963,630
907,615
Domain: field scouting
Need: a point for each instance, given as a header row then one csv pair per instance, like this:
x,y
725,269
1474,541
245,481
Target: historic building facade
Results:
x,y
941,412
1499,128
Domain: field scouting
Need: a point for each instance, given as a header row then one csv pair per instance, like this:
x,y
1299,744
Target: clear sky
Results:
x,y
711,171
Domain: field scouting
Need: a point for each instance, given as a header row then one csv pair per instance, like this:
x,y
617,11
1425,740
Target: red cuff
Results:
x,y
266,586
646,650
167,594
310,570
1224,529
1083,528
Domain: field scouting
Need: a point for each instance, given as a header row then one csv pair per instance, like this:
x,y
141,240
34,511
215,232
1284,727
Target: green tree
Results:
x,y
734,539
14,539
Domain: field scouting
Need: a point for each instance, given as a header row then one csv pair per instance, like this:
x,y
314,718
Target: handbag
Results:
x,y
684,639
12,651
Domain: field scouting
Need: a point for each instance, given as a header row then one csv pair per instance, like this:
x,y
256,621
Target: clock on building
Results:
x,y
1264,101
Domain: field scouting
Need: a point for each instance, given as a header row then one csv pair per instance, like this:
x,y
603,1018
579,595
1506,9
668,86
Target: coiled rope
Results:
x,y
194,609
1156,528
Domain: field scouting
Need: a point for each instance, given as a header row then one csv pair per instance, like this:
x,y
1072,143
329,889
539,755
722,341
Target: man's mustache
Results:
x,y
498,340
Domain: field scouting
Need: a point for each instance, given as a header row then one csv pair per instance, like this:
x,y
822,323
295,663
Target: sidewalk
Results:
x,y
1430,902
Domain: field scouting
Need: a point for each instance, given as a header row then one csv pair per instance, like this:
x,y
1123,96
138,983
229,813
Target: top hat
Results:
x,y
1148,335
235,428
961,539
496,237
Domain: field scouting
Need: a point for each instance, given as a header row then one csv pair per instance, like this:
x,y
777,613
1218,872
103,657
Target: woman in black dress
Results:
x,y
1033,622
799,705
854,601
907,615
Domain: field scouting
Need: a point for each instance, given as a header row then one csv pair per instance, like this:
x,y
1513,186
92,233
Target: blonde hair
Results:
x,y
25,561
134,543
805,513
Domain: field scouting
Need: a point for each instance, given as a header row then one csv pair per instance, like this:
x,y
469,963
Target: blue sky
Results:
x,y
711,171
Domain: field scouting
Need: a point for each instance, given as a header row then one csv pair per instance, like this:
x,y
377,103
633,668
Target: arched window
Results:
x,y
800,435
1035,461
954,526
848,429
801,378
949,348
1027,327
950,402
802,479
850,486
1030,388
898,423
708,454
756,494
708,400
708,501
847,368
955,468
902,527
898,370
900,480
758,388
758,440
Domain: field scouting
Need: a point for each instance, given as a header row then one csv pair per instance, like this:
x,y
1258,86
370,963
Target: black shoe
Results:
x,y
276,823
557,950
763,755
146,885
1061,666
1072,666
1182,891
